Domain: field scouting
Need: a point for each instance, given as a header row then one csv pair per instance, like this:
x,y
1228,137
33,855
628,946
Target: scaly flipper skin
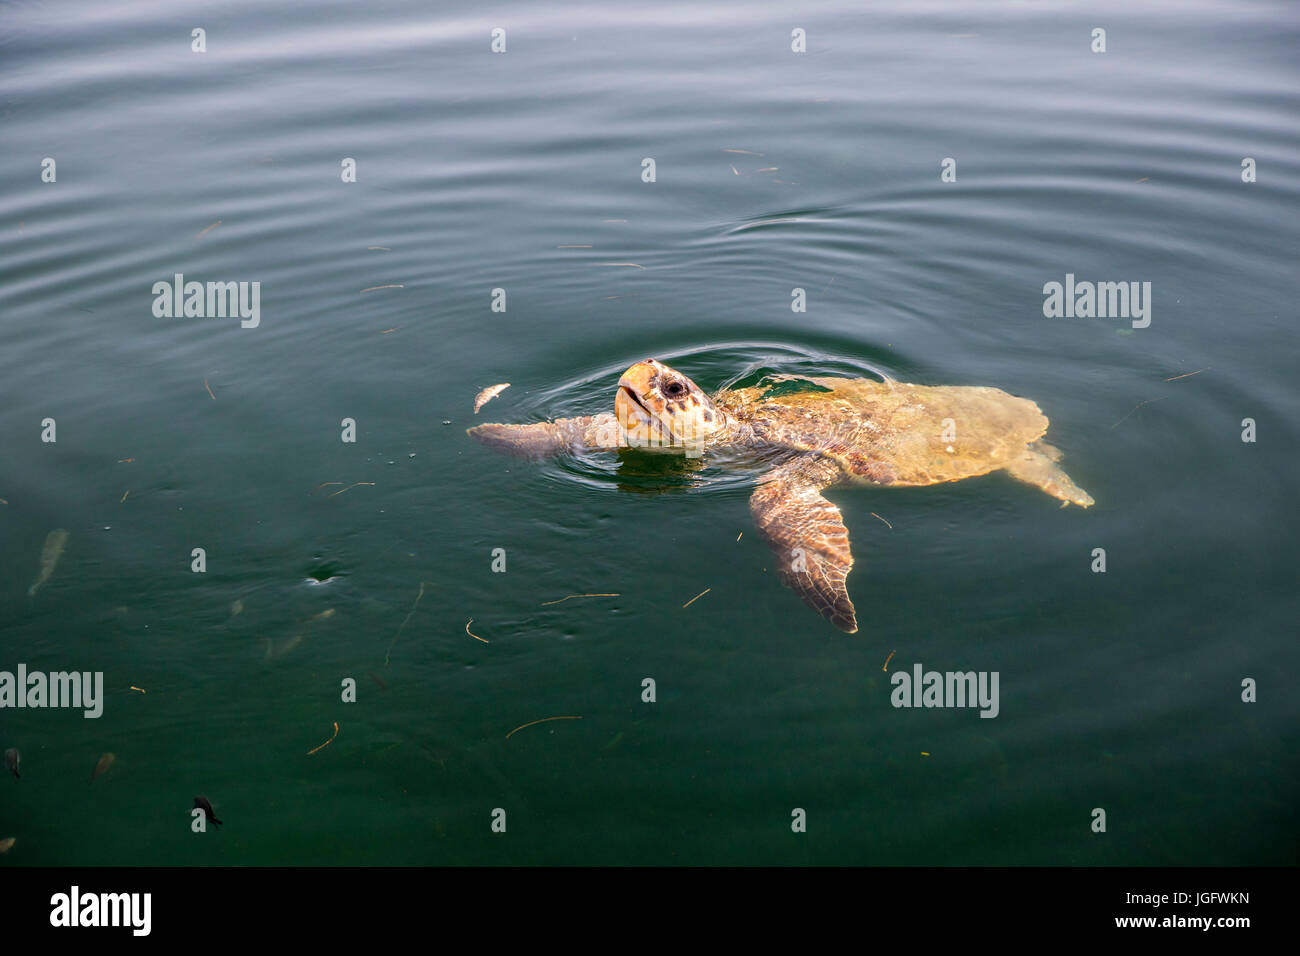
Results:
x,y
807,534
547,439
1037,466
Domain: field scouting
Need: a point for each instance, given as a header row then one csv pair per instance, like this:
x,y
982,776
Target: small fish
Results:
x,y
201,803
101,768
236,608
12,757
6,843
489,393
50,554
284,647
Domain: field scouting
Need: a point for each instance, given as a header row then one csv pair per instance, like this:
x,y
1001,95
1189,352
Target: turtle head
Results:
x,y
659,407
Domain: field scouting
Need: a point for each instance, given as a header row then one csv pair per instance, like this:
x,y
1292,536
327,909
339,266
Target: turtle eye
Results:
x,y
675,389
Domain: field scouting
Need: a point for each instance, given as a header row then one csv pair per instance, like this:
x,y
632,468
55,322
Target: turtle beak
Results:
x,y
639,408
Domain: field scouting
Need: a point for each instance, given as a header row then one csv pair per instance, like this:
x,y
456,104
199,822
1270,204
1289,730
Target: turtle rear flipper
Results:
x,y
1039,468
807,534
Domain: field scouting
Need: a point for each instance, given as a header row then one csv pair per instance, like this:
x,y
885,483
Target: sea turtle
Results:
x,y
809,434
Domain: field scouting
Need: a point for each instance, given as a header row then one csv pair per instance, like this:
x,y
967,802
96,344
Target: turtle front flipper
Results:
x,y
807,534
547,439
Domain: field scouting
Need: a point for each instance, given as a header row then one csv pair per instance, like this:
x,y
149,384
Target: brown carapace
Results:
x,y
813,433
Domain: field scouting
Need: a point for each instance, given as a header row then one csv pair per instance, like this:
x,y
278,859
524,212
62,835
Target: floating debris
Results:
x,y
697,597
209,388
204,232
489,393
140,689
323,615
201,803
349,487
50,554
12,759
326,743
378,680
887,524
570,596
745,152
532,722
124,494
1139,405
123,460
472,634
632,264
101,768
738,537
408,617
6,843
1190,374
236,607
380,248
376,288
888,659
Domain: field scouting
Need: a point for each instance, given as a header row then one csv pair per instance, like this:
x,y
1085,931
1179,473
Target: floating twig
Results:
x,y
887,524
888,659
380,248
632,264
1139,405
209,388
140,689
121,460
393,329
124,494
204,232
738,537
349,487
568,596
326,743
542,721
472,634
1190,374
408,617
573,247
376,288
745,152
697,597
734,169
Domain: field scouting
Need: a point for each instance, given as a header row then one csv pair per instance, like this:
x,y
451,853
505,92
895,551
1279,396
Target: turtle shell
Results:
x,y
890,432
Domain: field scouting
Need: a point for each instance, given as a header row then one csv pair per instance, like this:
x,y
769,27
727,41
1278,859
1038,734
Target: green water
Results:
x,y
523,171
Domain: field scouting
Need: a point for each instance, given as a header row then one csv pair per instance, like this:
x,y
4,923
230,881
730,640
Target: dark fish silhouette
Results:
x,y
12,756
201,803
